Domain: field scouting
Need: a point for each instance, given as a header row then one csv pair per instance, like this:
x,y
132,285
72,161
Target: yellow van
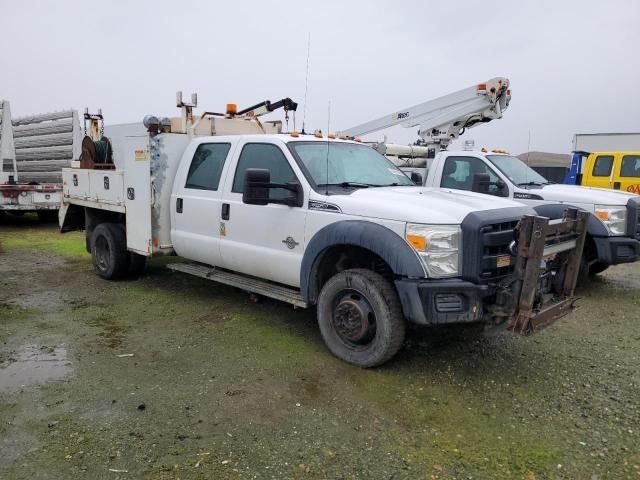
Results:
x,y
615,170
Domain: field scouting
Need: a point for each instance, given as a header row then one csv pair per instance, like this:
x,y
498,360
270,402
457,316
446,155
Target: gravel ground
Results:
x,y
171,377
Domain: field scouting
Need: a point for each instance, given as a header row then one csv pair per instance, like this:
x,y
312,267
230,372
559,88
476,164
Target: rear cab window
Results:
x,y
267,156
206,166
602,166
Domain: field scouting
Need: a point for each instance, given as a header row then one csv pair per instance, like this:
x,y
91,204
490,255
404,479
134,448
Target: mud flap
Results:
x,y
540,239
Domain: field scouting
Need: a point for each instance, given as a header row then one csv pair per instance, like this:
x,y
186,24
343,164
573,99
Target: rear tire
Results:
x,y
360,317
109,251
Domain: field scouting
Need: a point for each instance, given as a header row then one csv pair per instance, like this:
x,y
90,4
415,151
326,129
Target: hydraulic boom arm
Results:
x,y
445,118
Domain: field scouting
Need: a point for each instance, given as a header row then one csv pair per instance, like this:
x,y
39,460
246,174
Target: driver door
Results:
x,y
265,241
458,172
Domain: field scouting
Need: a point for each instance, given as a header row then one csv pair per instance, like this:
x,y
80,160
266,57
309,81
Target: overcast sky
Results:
x,y
574,66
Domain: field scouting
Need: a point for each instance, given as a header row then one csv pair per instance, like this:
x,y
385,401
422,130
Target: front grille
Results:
x,y
496,239
486,240
633,222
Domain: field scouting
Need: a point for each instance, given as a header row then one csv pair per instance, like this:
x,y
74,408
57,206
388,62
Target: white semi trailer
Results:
x,y
33,151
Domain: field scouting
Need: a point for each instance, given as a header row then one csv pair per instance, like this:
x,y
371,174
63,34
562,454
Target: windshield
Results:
x,y
517,171
350,165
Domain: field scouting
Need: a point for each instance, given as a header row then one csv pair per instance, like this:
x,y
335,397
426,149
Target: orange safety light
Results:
x,y
482,87
295,134
343,137
318,134
332,136
232,109
357,139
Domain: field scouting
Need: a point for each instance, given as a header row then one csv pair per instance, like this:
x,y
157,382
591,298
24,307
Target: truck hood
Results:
x,y
416,204
573,193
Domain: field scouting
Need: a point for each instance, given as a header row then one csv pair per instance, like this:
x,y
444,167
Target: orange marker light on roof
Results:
x,y
343,137
357,139
295,134
482,87
331,136
318,134
232,109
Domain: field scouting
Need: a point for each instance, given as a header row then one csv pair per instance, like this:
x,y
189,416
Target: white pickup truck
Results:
x,y
319,222
613,234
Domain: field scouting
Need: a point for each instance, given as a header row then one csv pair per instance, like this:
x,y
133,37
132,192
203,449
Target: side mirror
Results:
x,y
481,182
416,178
256,186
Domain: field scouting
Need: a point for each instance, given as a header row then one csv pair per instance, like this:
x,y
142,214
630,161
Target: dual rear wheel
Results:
x,y
111,259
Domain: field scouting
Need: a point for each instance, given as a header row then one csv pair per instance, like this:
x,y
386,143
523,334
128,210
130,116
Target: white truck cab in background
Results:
x,y
614,225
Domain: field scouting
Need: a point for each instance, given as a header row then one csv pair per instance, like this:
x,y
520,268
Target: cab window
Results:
x,y
265,155
602,166
630,166
459,171
206,167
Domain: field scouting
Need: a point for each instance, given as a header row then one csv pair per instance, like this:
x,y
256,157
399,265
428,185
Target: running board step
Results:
x,y
244,282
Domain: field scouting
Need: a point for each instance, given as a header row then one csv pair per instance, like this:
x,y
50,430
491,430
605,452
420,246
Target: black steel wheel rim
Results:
x,y
102,253
353,319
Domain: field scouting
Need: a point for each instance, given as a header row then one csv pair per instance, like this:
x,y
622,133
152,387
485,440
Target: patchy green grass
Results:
x,y
220,387
28,233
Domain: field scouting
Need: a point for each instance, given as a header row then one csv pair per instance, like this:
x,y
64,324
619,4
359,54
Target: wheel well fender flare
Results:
x,y
378,239
595,227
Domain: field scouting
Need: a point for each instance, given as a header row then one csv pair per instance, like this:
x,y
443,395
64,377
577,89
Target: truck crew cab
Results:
x,y
317,221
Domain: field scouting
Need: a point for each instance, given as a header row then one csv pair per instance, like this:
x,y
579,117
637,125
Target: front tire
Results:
x,y
109,251
360,317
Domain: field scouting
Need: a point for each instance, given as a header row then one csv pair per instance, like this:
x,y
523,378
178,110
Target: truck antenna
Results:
x,y
326,186
306,83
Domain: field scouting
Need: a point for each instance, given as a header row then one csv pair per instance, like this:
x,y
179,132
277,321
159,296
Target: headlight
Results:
x,y
614,218
438,246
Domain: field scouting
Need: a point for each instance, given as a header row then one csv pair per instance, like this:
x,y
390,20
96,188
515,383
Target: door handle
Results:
x,y
226,209
178,205
616,185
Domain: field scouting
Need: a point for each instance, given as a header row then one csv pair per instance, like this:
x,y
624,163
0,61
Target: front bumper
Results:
x,y
615,250
437,302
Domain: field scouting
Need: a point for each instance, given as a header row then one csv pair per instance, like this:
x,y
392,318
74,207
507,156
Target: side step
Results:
x,y
244,282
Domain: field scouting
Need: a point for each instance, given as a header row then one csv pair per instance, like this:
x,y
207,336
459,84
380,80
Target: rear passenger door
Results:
x,y
629,173
197,204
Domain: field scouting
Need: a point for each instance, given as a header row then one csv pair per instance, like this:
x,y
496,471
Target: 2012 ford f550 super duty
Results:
x,y
317,222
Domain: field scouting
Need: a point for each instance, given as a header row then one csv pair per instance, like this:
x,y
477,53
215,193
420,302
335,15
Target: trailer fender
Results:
x,y
376,238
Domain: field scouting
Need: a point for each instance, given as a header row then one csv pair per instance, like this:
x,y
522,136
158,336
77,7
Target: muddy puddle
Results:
x,y
33,365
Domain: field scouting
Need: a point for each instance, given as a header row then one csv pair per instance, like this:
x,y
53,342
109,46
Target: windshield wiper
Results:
x,y
347,184
524,184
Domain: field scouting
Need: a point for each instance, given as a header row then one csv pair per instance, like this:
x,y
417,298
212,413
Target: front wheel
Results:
x,y
360,317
